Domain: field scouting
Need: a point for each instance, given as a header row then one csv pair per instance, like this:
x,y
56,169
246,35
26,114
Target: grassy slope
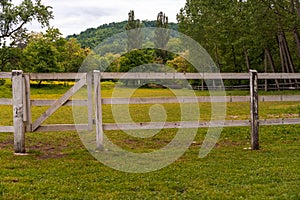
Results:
x,y
59,167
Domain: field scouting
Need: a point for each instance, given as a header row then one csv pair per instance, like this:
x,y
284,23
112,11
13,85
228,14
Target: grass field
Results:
x,y
59,167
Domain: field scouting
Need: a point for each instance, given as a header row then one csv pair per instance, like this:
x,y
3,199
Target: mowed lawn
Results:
x,y
59,167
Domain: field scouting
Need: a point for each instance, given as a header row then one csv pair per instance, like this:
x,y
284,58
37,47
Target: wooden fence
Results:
x,y
21,103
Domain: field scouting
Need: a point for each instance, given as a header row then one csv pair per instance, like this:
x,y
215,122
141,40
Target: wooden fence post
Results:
x,y
89,81
18,109
254,110
27,103
98,110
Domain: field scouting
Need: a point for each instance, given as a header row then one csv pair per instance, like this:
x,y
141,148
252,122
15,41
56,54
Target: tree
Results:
x,y
14,17
181,65
72,55
49,52
41,54
133,31
239,34
162,36
108,62
136,58
10,58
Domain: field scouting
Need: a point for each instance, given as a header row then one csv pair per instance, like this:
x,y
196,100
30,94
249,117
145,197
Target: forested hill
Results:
x,y
93,36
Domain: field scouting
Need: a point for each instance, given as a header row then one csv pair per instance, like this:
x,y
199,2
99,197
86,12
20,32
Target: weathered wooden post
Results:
x,y
89,81
98,110
18,109
254,110
27,103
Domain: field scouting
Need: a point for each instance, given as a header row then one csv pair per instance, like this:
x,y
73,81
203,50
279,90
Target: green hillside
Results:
x,y
93,36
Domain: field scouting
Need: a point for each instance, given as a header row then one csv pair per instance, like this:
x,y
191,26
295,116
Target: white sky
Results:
x,y
74,16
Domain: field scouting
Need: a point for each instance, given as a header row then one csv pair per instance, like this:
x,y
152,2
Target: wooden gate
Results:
x,y
22,117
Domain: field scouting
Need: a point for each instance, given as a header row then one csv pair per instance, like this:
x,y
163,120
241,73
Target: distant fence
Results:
x,y
262,86
21,102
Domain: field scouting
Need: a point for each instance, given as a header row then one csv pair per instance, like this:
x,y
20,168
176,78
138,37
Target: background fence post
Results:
x,y
98,110
18,111
254,110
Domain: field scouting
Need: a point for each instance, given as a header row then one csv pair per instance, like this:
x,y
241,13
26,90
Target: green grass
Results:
x,y
59,167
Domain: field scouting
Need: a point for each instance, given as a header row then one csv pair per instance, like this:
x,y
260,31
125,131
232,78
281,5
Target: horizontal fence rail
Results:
x,y
6,129
168,125
6,101
168,76
204,124
163,100
55,76
135,76
202,99
5,75
225,76
62,127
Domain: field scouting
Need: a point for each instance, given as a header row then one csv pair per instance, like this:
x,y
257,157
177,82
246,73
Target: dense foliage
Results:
x,y
50,52
44,52
14,17
243,34
239,35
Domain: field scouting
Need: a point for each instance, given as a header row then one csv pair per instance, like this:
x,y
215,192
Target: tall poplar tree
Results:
x,y
161,38
133,31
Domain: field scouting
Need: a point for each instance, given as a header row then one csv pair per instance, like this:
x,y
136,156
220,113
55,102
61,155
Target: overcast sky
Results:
x,y
74,16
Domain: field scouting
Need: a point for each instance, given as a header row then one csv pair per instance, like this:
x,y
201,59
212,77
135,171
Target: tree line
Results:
x,y
238,34
244,34
50,52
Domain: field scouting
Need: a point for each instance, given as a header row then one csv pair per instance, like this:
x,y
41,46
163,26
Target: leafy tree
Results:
x,y
10,58
180,65
41,54
94,61
72,55
175,45
14,17
49,52
136,58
